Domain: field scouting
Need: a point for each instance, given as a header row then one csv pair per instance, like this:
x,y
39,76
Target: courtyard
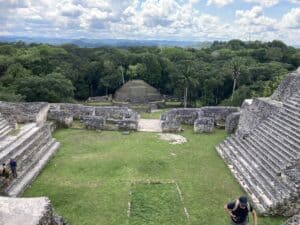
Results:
x,y
112,178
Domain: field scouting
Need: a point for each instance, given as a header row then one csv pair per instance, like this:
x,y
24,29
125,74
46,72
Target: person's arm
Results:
x,y
254,217
228,211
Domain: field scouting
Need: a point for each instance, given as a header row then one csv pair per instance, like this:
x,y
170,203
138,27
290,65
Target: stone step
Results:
x,y
27,159
27,149
270,192
261,167
12,143
4,143
276,144
293,102
28,163
292,107
291,136
284,141
290,116
291,113
17,154
287,119
294,127
263,151
241,175
3,123
4,132
18,188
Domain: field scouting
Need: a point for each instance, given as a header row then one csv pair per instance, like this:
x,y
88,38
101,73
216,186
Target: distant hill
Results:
x,y
91,43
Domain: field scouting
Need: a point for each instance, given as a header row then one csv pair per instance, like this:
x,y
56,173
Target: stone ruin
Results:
x,y
137,94
94,117
32,146
204,119
264,152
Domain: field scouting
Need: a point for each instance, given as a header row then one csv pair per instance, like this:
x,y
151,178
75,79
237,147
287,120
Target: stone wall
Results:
x,y
172,119
96,117
24,112
254,111
288,86
27,211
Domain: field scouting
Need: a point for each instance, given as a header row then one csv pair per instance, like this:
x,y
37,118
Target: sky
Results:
x,y
183,20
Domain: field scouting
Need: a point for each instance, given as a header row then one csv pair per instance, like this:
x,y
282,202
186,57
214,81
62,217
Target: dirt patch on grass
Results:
x,y
173,139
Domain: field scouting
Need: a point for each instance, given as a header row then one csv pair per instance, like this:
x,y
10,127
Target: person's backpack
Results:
x,y
236,205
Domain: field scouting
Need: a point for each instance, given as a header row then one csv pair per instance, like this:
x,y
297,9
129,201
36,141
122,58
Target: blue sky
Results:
x,y
199,20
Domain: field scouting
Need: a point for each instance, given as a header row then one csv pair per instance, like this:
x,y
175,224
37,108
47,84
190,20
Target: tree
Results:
x,y
185,77
235,65
51,88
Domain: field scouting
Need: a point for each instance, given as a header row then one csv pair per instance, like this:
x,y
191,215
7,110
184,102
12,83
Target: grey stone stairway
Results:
x,y
5,128
258,160
295,220
31,148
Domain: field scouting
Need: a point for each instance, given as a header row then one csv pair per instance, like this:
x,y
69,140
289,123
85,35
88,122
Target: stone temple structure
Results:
x,y
138,93
264,152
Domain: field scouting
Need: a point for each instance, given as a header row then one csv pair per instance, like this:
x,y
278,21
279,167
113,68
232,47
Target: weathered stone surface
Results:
x,y
219,113
24,112
172,119
265,158
232,122
93,122
255,111
25,211
97,117
289,86
204,125
295,220
137,91
171,126
62,118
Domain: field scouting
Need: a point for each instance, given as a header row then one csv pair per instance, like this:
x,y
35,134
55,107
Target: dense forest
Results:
x,y
223,74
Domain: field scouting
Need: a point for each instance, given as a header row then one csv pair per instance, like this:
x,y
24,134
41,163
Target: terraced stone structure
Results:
x,y
137,94
264,153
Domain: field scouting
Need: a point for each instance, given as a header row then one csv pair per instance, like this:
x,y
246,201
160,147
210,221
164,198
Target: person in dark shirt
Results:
x,y
238,211
13,167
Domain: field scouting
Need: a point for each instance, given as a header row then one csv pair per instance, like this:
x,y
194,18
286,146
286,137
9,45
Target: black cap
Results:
x,y
243,200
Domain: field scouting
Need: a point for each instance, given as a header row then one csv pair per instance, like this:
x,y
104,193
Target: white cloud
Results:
x,y
295,1
291,19
219,3
264,3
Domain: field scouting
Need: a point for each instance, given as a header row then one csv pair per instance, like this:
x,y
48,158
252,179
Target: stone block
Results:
x,y
232,122
204,125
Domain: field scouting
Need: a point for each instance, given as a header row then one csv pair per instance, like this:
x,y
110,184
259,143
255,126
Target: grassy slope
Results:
x,y
89,179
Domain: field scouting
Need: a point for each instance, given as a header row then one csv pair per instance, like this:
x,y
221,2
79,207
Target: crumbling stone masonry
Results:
x,y
172,119
95,117
264,153
28,211
204,125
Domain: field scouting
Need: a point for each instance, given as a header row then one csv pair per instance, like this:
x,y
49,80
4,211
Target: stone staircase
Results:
x,y
31,148
5,128
258,159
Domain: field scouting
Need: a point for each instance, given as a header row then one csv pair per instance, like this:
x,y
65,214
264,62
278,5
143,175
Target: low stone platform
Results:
x,y
26,211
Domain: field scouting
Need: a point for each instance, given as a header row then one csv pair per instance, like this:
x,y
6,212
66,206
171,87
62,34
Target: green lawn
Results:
x,y
90,178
